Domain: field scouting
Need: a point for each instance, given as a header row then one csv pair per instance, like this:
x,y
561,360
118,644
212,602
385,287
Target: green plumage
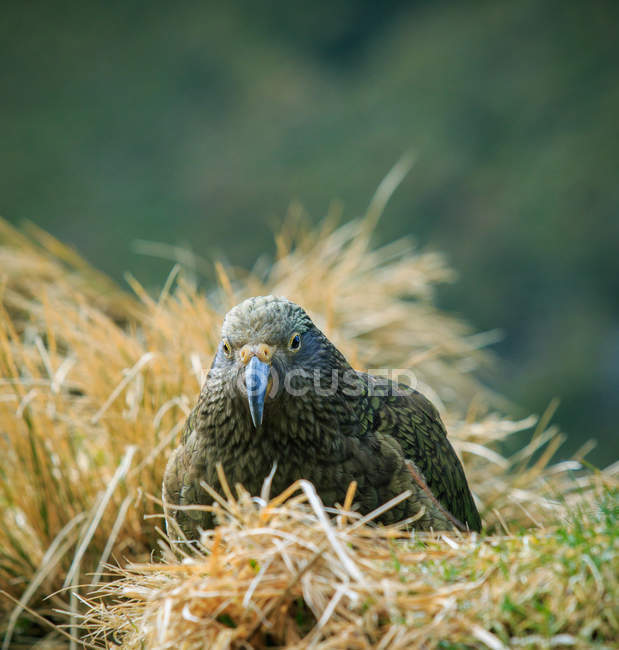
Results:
x,y
322,421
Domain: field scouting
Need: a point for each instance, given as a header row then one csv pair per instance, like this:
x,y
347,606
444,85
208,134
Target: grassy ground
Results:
x,y
95,384
278,576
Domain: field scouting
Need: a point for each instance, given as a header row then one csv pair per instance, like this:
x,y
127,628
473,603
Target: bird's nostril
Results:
x,y
264,353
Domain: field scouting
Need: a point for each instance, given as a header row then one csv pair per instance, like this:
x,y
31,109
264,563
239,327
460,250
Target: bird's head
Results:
x,y
269,350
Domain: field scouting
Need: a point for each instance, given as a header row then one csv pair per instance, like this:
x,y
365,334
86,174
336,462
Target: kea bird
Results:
x,y
279,392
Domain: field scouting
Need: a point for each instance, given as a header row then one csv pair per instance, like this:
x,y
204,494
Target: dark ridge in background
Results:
x,y
196,124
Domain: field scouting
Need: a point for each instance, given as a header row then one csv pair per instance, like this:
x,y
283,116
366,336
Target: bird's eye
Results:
x,y
295,342
227,348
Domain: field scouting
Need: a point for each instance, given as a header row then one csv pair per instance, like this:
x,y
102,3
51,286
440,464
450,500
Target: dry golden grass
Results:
x,y
281,574
95,385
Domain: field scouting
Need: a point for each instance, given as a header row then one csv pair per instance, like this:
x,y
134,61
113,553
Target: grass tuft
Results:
x,y
95,384
551,586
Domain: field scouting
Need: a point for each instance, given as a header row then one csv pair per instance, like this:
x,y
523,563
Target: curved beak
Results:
x,y
257,383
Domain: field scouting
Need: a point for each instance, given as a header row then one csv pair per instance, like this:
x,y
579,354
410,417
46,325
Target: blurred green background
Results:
x,y
196,123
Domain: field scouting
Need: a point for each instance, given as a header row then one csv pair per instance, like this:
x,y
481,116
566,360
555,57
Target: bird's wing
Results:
x,y
415,423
